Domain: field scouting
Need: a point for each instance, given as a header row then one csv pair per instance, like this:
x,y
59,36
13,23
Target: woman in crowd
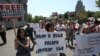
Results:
x,y
22,43
42,24
50,28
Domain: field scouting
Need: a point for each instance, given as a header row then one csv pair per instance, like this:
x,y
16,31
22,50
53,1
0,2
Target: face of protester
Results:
x,y
51,29
63,22
86,30
43,22
22,33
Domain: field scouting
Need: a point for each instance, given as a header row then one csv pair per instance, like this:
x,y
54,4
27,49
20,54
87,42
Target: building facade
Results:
x,y
79,6
80,9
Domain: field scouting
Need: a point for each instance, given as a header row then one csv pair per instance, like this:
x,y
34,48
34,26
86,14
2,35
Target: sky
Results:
x,y
46,7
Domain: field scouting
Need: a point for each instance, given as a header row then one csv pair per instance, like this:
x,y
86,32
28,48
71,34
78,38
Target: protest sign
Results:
x,y
88,45
11,10
50,43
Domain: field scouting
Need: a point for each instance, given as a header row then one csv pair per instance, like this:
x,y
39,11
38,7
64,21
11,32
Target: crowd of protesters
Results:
x,y
73,28
70,27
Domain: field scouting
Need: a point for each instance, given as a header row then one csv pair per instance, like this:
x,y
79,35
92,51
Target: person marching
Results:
x,y
2,30
30,31
22,43
50,28
3,34
69,33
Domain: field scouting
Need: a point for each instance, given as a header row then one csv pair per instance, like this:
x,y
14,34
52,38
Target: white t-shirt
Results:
x,y
60,27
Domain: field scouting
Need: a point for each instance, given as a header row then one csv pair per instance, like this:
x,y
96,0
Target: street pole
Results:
x,y
14,27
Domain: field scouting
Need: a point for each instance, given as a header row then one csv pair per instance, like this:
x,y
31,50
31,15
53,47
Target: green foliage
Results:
x,y
97,14
36,19
93,14
61,16
89,13
65,15
98,3
86,14
81,14
29,18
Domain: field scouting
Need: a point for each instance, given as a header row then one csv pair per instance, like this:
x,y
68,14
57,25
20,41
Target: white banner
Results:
x,y
88,45
50,43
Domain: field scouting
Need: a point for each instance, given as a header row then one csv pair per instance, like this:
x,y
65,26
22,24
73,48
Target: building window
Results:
x,y
19,19
4,19
8,19
19,1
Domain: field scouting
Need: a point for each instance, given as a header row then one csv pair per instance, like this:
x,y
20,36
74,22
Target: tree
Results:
x,y
97,14
60,16
65,15
81,14
36,19
98,3
29,18
89,13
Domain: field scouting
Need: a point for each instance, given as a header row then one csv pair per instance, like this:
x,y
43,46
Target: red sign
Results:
x,y
11,10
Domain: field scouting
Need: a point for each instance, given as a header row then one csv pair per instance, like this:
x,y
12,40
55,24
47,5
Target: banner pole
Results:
x,y
14,26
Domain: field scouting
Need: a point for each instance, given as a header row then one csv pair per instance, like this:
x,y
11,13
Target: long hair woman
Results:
x,y
22,43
